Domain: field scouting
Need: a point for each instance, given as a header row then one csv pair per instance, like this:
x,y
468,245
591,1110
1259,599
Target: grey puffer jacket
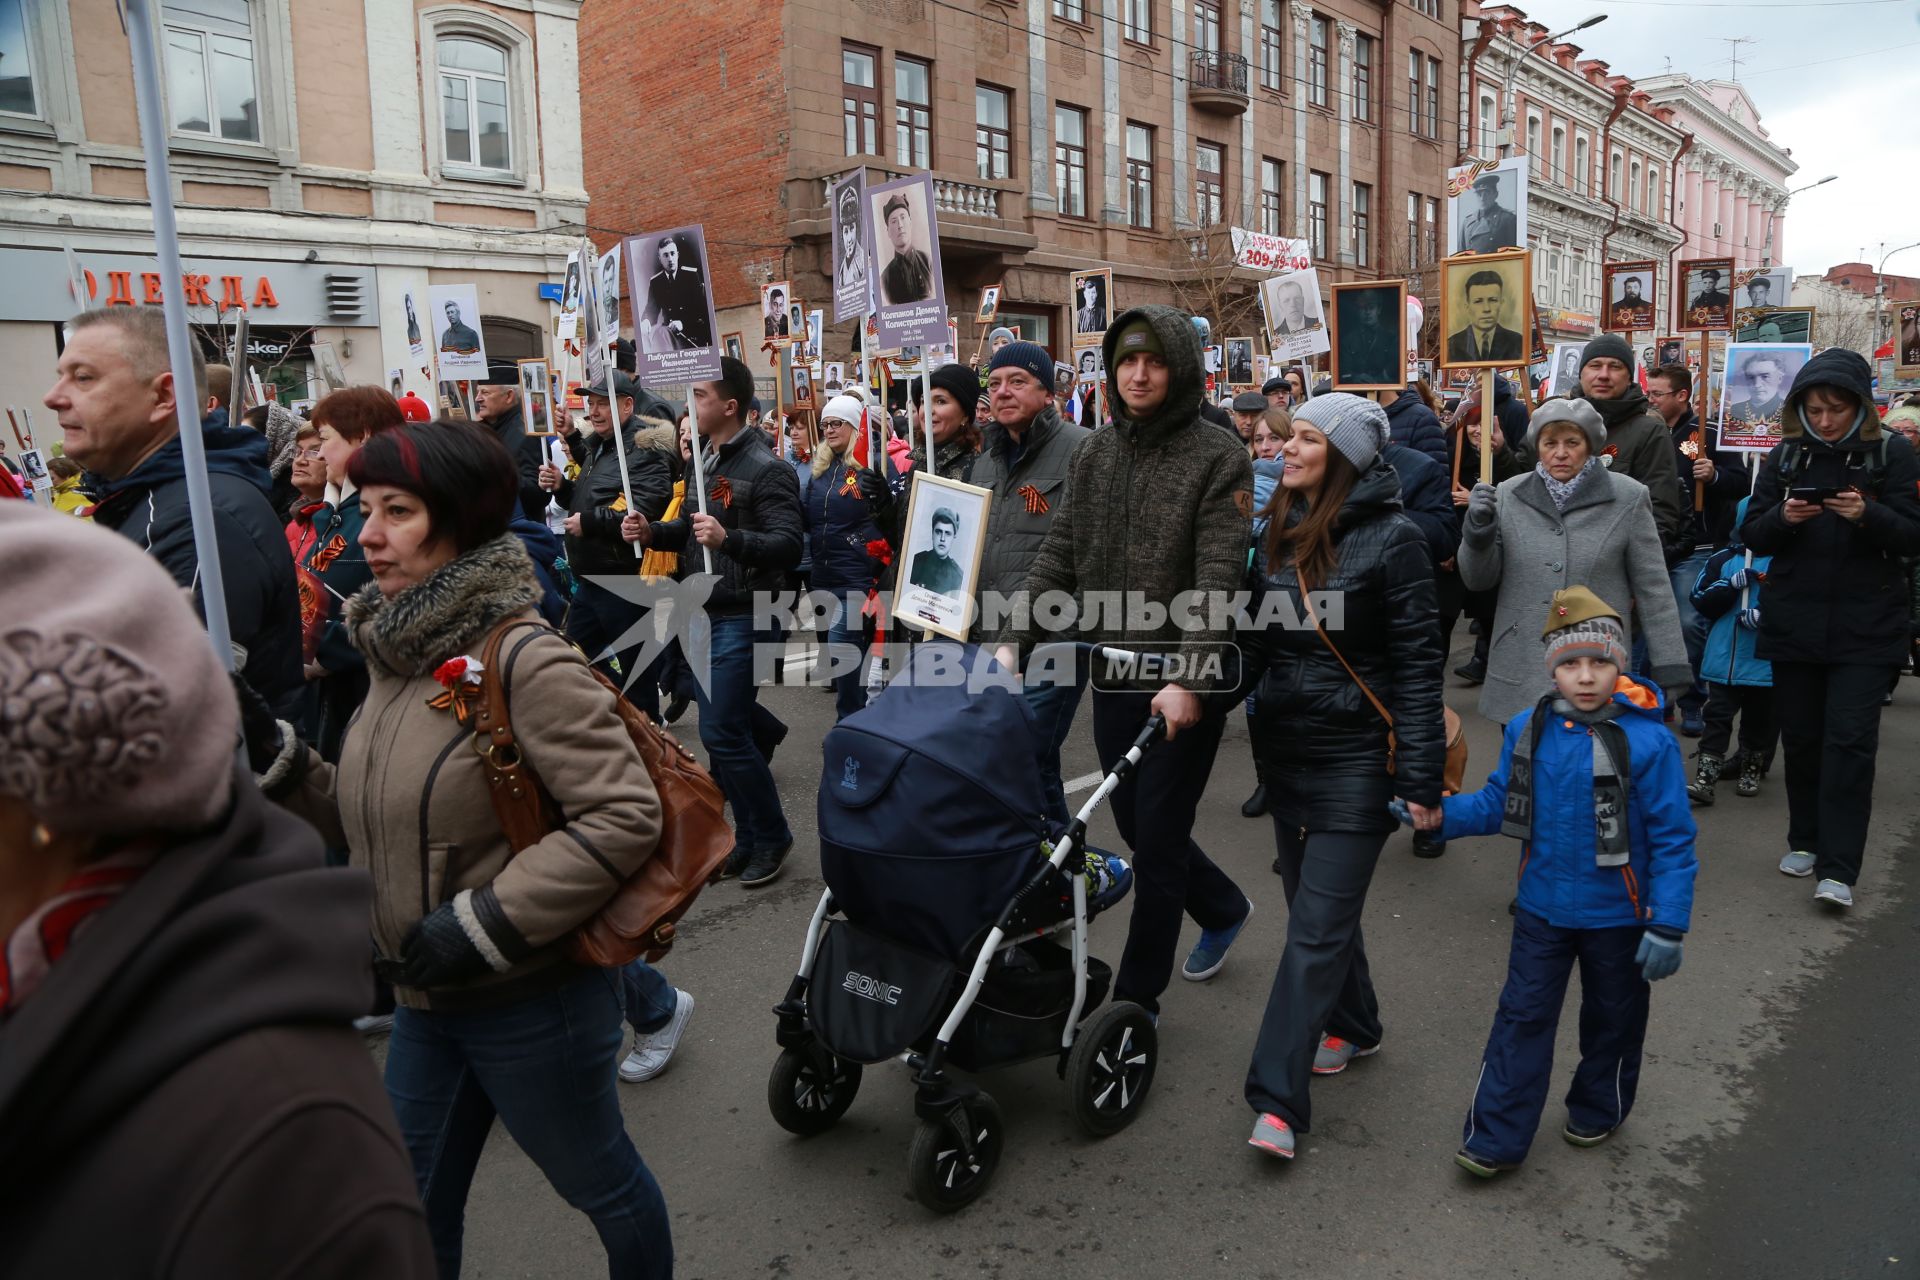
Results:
x,y
1162,505
1605,540
1016,521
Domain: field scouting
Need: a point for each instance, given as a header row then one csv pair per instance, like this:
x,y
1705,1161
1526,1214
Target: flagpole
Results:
x,y
186,399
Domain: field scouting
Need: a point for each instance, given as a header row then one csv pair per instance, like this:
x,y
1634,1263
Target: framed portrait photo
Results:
x,y
1629,290
1701,302
945,534
1760,287
1487,206
1670,348
1240,363
1483,311
735,345
1906,338
1563,370
1774,324
774,313
1369,337
536,397
1755,392
802,387
1089,371
1092,305
989,304
1290,301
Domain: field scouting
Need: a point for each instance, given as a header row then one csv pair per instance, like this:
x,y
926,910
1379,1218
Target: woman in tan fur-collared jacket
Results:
x,y
494,1019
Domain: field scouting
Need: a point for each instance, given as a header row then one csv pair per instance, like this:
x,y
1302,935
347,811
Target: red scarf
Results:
x,y
45,936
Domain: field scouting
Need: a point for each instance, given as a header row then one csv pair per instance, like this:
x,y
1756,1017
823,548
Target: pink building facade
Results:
x,y
1732,195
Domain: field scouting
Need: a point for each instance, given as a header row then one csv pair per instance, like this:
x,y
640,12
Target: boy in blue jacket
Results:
x,y
1739,681
1592,785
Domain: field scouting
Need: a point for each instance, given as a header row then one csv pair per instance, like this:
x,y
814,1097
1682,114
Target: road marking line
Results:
x,y
1081,784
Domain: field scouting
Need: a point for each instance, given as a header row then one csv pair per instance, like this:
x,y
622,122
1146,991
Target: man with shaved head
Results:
x,y
115,401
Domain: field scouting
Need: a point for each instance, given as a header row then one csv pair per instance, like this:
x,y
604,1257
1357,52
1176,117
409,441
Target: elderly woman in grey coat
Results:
x,y
1568,522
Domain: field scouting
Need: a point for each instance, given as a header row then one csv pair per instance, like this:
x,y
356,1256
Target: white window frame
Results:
x,y
1489,125
449,21
273,89
56,96
1582,164
473,80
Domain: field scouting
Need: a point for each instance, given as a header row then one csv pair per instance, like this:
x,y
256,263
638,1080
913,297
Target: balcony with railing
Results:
x,y
982,214
1217,82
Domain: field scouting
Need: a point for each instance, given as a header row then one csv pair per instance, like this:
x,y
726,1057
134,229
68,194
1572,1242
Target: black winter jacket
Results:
x,y
1837,591
1732,481
598,498
1318,743
1414,426
527,455
149,505
1426,498
757,497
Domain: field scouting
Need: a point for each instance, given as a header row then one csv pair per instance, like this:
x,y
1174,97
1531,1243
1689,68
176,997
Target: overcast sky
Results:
x,y
1838,109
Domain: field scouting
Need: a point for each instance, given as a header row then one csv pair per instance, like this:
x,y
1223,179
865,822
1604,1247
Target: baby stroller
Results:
x,y
935,942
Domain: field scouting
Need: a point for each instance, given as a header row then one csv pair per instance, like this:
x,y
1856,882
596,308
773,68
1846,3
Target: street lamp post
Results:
x,y
1880,290
1513,72
1766,250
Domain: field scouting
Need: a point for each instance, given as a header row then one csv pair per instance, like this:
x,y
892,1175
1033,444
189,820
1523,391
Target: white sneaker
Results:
x,y
374,1024
652,1052
1797,863
1833,891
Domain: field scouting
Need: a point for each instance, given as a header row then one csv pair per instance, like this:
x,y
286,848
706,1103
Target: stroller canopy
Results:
x,y
930,807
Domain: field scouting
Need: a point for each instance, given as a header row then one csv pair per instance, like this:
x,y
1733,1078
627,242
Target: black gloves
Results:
x,y
259,727
436,952
873,487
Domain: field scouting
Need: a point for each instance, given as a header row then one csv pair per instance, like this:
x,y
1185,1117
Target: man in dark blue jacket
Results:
x,y
116,405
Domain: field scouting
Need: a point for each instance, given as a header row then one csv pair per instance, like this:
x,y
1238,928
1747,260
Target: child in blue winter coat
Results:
x,y
1592,785
1739,681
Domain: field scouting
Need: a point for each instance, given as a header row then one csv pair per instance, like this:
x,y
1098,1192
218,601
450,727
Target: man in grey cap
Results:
x,y
909,277
1490,227
1248,408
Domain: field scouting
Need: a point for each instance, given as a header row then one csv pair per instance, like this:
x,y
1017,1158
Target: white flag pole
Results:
x,y
186,399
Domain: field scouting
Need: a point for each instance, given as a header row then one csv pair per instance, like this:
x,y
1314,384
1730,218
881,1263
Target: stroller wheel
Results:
x,y
1110,1068
952,1159
806,1098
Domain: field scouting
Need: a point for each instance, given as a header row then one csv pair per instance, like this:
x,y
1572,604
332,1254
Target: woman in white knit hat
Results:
x,y
1351,654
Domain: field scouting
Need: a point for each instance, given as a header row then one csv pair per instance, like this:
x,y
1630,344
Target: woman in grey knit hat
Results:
x,y
1571,521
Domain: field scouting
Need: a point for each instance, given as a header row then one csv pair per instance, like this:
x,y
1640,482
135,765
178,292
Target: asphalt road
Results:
x,y
1776,1134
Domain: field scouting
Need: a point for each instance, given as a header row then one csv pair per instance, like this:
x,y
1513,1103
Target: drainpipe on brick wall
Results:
x,y
1471,71
1676,168
1606,171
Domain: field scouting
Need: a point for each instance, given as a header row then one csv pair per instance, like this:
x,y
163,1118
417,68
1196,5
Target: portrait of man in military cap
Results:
x,y
908,276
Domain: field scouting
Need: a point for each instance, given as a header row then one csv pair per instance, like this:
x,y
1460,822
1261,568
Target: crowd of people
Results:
x,y
245,836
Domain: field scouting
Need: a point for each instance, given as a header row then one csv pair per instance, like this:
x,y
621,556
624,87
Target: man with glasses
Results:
x,y
497,402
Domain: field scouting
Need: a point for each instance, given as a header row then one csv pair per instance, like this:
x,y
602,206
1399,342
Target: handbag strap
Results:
x,y
1306,601
518,799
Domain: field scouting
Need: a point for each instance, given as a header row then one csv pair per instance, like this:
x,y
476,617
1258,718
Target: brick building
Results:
x,y
1062,134
327,157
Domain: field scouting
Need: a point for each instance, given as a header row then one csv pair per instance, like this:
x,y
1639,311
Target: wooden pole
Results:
x,y
1699,431
1486,426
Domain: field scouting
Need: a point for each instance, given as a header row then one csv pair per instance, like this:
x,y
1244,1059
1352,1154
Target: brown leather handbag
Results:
x,y
642,916
1453,774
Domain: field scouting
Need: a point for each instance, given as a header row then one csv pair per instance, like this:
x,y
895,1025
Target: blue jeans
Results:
x,y
649,998
545,1066
596,619
1053,706
1693,627
849,687
730,712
